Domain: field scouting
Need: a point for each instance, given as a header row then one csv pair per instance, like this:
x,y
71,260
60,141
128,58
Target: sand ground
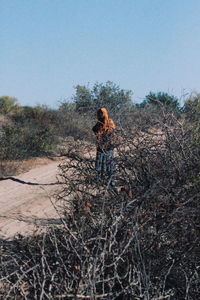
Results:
x,y
27,201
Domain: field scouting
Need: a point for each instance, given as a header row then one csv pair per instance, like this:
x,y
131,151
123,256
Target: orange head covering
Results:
x,y
105,124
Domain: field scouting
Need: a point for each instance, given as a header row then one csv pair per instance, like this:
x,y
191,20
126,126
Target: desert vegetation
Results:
x,y
137,240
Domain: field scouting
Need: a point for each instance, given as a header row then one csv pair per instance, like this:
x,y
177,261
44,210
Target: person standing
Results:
x,y
104,130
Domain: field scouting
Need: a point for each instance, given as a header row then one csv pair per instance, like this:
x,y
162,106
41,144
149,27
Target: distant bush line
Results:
x,y
36,131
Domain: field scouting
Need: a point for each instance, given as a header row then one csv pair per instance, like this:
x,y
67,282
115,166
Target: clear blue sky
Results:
x,y
49,46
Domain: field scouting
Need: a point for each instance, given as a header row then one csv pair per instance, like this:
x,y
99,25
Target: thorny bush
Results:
x,y
138,240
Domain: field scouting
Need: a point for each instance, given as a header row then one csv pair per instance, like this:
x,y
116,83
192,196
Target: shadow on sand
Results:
x,y
28,183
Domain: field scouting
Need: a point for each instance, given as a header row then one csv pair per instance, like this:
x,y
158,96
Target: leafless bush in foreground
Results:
x,y
138,240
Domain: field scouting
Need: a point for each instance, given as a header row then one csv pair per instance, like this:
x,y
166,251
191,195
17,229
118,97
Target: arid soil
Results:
x,y
27,200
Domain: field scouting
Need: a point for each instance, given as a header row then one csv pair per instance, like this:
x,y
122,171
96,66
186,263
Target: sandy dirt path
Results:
x,y
26,201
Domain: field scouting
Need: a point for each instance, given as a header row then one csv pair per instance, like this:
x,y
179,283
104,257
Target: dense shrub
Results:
x,y
22,142
191,112
29,132
8,105
161,100
72,123
40,113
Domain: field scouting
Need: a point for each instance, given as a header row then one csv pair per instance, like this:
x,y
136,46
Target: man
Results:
x,y
105,135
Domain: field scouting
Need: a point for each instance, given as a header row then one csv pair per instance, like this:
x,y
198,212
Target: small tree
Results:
x,y
83,98
161,99
192,108
109,95
8,104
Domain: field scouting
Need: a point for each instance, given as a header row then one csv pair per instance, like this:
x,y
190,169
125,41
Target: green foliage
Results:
x,y
32,132
107,95
191,108
72,123
67,106
8,105
83,98
191,112
9,140
21,142
161,100
40,113
78,117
